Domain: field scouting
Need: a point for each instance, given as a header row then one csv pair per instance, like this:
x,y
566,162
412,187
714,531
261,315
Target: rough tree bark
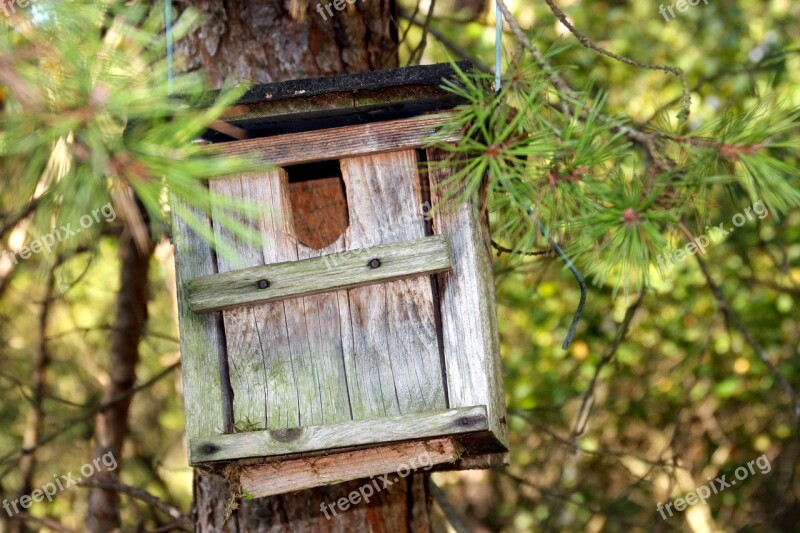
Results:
x,y
265,41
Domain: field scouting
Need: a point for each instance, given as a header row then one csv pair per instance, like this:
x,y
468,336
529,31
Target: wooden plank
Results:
x,y
468,308
281,377
251,364
203,357
392,355
475,462
312,322
335,143
400,428
300,474
343,270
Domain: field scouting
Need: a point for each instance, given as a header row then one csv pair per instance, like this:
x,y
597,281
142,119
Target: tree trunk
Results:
x,y
111,426
265,41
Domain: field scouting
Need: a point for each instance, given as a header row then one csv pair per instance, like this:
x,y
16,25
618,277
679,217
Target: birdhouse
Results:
x,y
359,336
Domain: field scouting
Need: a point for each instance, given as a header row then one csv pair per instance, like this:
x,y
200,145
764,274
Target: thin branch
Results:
x,y
14,454
587,403
420,49
453,518
733,321
49,523
504,250
458,50
15,219
141,495
587,43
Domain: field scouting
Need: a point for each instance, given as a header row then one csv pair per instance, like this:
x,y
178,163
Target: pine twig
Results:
x,y
505,250
587,43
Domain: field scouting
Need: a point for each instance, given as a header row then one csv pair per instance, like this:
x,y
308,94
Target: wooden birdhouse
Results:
x,y
360,335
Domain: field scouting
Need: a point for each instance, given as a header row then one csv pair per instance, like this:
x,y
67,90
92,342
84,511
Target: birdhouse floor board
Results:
x,y
449,422
299,474
336,143
347,270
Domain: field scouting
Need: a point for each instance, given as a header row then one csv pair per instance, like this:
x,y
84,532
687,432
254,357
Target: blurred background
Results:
x,y
600,433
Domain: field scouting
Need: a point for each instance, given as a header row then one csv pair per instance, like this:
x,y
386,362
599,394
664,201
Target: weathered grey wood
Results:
x,y
202,348
250,364
400,428
316,356
468,308
300,474
343,270
334,143
392,356
278,371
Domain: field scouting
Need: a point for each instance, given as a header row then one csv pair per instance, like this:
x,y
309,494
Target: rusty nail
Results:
x,y
263,284
374,263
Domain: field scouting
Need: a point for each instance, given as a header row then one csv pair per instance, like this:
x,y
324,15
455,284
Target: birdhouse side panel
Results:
x,y
201,336
468,306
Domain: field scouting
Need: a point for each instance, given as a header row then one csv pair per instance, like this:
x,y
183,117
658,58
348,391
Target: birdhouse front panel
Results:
x,y
360,326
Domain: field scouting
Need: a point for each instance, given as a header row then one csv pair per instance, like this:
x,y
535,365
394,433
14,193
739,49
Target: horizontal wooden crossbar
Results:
x,y
403,428
343,270
336,143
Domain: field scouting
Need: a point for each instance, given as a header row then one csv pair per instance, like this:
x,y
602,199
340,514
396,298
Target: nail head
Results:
x,y
374,263
263,284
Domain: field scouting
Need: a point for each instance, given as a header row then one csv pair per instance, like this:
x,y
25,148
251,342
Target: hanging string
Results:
x,y
498,42
567,261
168,16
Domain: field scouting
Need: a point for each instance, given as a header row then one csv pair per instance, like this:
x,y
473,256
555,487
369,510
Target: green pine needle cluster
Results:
x,y
614,195
88,118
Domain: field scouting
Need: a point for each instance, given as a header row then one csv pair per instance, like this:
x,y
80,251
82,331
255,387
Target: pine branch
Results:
x,y
587,43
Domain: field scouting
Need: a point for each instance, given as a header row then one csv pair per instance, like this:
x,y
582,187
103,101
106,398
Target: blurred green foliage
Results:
x,y
684,397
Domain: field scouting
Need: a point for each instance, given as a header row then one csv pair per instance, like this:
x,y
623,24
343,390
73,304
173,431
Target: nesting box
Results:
x,y
360,335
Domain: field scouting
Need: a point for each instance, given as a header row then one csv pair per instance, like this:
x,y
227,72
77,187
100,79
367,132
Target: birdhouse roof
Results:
x,y
317,103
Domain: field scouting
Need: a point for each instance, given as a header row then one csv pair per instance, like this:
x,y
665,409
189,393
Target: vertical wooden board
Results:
x,y
468,308
202,348
250,365
393,366
313,322
303,379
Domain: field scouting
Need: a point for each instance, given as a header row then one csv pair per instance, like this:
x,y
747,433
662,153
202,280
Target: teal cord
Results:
x,y
567,261
498,44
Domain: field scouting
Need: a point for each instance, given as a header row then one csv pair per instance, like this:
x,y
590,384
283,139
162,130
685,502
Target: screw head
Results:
x,y
374,263
262,284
